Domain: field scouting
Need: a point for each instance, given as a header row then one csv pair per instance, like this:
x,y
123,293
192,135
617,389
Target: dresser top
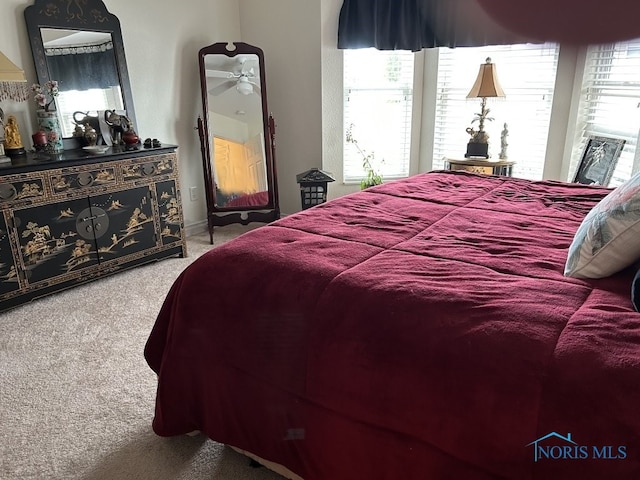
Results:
x,y
34,161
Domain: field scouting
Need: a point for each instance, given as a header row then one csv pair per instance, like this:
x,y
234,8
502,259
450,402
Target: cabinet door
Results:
x,y
169,211
51,246
123,223
8,274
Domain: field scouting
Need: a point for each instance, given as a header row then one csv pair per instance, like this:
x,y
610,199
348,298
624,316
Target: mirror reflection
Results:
x,y
79,45
236,130
237,136
84,64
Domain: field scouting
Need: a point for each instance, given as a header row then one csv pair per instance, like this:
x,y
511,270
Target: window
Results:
x,y
527,74
378,102
610,103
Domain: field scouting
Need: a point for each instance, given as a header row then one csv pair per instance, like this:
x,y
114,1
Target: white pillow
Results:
x,y
608,240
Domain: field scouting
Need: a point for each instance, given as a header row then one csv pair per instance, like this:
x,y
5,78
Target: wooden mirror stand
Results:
x,y
237,137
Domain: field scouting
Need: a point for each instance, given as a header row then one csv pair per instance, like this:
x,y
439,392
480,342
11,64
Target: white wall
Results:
x,y
288,31
332,99
162,40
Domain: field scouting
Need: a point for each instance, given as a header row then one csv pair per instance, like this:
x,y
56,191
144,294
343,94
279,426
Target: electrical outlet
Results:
x,y
193,193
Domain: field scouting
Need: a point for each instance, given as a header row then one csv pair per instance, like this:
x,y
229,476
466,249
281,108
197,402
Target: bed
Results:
x,y
420,329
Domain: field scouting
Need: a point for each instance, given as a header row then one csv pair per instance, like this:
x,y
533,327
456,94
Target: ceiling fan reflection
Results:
x,y
244,82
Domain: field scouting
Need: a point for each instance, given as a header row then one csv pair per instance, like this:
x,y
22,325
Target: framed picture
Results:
x,y
598,160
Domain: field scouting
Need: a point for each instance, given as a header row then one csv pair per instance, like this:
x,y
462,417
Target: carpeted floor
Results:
x,y
76,395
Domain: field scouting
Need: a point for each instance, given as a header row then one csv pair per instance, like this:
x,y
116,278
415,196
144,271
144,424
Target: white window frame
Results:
x,y
587,111
352,174
527,73
558,159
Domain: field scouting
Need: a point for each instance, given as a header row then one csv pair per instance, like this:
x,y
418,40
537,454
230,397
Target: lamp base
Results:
x,y
475,149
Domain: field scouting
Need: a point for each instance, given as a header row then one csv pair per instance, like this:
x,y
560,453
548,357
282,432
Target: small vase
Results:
x,y
48,122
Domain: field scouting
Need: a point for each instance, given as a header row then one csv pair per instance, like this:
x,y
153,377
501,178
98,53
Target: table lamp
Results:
x,y
13,86
486,86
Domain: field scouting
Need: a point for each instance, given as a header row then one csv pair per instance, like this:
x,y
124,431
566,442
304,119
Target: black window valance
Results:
x,y
82,68
417,24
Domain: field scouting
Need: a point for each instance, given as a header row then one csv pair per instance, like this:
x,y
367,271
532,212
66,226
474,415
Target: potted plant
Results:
x,y
373,177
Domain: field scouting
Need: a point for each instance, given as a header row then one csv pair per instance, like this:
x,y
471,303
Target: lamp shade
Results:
x,y
9,72
487,84
13,83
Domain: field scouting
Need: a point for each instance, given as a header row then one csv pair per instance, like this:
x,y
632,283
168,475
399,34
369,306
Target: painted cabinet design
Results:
x,y
8,272
169,210
81,222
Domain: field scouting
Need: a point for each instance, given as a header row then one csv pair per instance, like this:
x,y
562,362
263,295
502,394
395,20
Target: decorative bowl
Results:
x,y
96,149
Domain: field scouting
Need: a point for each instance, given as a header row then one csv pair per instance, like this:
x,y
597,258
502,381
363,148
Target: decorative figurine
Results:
x,y
503,142
90,135
3,157
478,145
78,131
86,118
117,124
12,138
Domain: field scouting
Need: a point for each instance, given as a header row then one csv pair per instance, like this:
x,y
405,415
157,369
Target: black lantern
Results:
x,y
313,186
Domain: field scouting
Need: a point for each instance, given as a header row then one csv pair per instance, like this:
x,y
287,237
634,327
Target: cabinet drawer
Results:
x,y
21,190
68,180
149,167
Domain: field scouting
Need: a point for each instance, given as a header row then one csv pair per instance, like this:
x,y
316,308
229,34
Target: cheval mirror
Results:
x,y
237,136
80,45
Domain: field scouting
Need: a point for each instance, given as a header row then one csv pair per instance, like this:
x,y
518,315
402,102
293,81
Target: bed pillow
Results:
x,y
608,240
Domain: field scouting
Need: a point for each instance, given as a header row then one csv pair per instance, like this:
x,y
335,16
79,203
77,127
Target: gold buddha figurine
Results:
x,y
12,139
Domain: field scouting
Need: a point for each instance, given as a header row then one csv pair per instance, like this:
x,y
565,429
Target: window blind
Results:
x,y
527,74
610,103
378,100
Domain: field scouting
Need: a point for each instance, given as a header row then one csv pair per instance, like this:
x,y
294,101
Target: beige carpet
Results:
x,y
76,395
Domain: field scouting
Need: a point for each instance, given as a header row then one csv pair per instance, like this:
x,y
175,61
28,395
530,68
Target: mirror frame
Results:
x,y
216,215
90,15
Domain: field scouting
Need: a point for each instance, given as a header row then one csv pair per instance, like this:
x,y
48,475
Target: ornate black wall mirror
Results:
x,y
237,136
80,45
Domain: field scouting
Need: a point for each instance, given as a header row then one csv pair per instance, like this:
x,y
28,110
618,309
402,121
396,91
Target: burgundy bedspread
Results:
x,y
421,329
